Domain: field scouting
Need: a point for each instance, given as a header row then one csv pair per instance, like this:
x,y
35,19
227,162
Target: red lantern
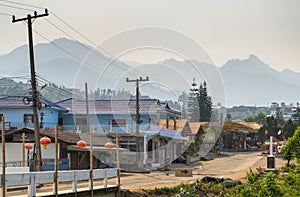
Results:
x,y
45,141
28,146
108,145
81,144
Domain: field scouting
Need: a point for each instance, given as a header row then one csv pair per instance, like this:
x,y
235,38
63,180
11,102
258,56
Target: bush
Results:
x,y
270,186
252,177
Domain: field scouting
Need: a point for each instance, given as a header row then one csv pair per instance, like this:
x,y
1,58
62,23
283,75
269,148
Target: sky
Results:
x,y
226,29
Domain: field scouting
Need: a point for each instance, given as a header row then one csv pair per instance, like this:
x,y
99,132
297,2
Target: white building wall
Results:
x,y
14,152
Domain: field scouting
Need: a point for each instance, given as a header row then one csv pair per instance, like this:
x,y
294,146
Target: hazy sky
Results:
x,y
226,29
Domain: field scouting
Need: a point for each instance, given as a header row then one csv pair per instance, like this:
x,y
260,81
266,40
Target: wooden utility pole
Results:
x,y
3,158
23,149
35,94
137,116
91,138
56,162
118,165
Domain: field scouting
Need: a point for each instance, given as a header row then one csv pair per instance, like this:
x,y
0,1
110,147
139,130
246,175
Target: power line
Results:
x,y
74,56
15,7
5,14
23,4
95,45
75,30
112,60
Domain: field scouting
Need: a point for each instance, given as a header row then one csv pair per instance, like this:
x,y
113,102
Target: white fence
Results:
x,y
32,179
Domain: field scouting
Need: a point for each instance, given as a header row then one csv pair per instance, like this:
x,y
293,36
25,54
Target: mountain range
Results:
x,y
247,81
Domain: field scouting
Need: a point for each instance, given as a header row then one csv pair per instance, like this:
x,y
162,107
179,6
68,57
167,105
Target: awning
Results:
x,y
168,133
95,148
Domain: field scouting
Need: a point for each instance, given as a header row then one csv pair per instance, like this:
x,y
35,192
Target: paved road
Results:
x,y
235,166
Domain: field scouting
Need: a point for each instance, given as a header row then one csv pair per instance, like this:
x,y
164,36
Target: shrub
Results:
x,y
270,186
252,177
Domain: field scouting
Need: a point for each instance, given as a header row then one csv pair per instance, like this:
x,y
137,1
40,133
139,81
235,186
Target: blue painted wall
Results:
x,y
15,117
104,122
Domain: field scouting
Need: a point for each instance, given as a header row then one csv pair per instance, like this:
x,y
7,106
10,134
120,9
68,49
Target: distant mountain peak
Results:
x,y
255,59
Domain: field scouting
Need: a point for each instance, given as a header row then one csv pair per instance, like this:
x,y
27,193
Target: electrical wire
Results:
x,y
76,31
15,7
5,14
111,61
23,4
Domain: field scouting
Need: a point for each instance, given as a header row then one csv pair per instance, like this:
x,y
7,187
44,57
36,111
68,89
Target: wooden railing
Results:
x,y
32,179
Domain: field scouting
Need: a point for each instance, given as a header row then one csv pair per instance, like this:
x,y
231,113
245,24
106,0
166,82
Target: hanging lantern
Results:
x,y
28,146
81,144
45,141
108,145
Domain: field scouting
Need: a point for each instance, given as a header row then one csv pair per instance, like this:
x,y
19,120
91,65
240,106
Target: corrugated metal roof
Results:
x,y
17,102
147,106
67,136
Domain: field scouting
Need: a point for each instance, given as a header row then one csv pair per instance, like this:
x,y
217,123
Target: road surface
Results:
x,y
234,165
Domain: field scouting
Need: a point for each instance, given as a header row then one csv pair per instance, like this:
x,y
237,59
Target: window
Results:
x,y
28,118
118,123
60,121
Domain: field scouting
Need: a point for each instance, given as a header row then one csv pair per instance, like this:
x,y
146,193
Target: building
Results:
x,y
151,145
18,113
242,135
115,115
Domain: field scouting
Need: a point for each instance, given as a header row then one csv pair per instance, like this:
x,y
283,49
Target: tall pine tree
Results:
x,y
199,107
193,104
205,103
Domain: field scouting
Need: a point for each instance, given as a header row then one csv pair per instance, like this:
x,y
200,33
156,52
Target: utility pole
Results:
x,y
3,186
91,138
137,117
35,94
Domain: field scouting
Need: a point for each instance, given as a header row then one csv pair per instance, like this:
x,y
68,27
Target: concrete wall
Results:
x,y
14,152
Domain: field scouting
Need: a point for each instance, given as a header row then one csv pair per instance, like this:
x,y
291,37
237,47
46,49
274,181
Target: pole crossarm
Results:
x,y
14,20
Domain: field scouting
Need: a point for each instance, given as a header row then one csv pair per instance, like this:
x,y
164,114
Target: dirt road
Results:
x,y
234,166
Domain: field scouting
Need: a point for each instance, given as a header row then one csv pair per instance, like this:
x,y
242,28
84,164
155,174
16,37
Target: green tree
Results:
x,y
205,103
260,118
193,105
296,115
183,99
249,119
228,117
292,149
288,129
288,152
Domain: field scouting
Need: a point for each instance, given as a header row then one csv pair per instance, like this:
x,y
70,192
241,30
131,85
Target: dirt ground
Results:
x,y
228,165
